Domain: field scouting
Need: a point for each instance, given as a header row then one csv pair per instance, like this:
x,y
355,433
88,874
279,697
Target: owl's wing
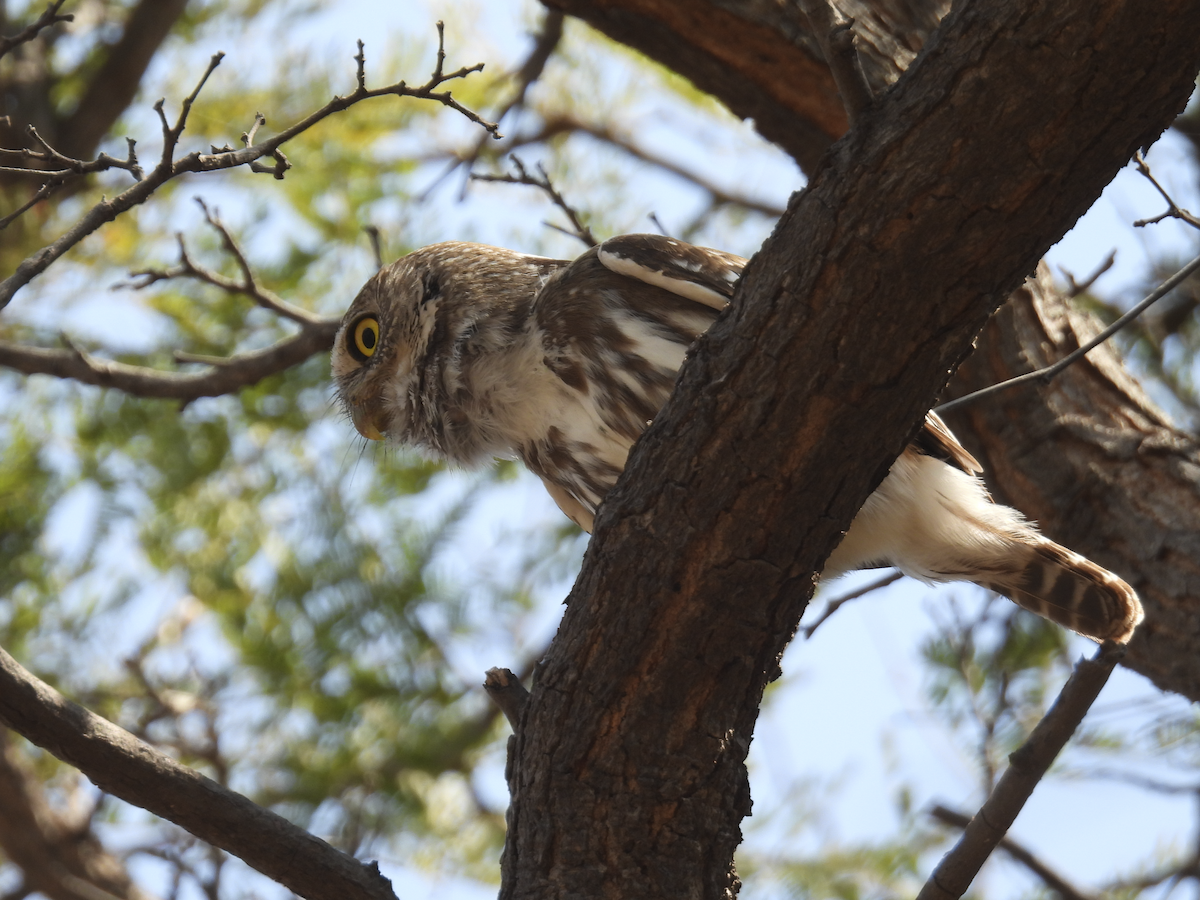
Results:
x,y
695,273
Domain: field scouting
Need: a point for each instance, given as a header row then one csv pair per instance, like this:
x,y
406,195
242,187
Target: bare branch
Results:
x,y
224,158
578,229
1027,765
544,45
1049,877
69,169
125,767
29,32
226,377
58,853
1174,211
836,604
1075,288
835,34
248,286
1044,375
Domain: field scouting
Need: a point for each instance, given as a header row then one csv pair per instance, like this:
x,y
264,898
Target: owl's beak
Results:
x,y
364,423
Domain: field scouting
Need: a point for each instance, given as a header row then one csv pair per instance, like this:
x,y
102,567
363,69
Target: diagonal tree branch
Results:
x,y
1027,765
125,767
1049,877
50,16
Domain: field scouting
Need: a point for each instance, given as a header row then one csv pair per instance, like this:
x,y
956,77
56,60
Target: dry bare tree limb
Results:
x,y
542,182
1047,373
958,868
58,854
127,768
836,37
226,377
1049,877
69,166
838,602
48,17
227,158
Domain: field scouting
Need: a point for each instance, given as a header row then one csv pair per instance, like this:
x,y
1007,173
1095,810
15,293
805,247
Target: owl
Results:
x,y
471,352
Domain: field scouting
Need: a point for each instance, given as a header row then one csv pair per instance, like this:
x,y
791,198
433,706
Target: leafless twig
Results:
x,y
227,376
247,286
836,604
1027,765
34,28
555,126
578,229
544,44
1049,877
1046,373
1174,211
1075,288
227,158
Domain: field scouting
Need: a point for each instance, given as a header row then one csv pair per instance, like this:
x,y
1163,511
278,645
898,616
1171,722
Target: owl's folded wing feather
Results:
x,y
700,274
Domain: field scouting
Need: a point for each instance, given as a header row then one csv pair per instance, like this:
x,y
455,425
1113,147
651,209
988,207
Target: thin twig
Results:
x,y
248,286
1046,373
376,245
1174,211
557,126
1075,288
49,17
544,44
1049,877
834,605
1027,765
226,158
578,229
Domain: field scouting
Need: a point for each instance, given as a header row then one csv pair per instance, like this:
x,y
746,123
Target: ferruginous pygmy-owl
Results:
x,y
471,352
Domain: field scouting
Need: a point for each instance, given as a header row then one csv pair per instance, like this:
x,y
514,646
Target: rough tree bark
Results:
x,y
742,68
628,776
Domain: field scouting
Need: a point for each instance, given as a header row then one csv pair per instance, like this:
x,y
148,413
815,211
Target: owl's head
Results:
x,y
384,335
420,335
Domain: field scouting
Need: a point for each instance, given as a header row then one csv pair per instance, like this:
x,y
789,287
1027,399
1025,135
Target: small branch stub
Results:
x,y
508,693
836,37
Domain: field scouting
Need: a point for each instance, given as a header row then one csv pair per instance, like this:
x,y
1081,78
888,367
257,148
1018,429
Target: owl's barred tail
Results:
x,y
1073,591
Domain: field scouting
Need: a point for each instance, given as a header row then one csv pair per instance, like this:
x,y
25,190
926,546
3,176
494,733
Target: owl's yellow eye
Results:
x,y
363,338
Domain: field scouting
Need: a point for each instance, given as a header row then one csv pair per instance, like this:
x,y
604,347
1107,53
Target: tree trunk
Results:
x,y
628,775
